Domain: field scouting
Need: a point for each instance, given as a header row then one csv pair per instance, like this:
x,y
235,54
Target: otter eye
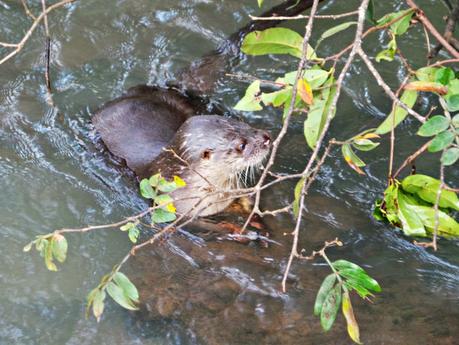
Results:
x,y
241,147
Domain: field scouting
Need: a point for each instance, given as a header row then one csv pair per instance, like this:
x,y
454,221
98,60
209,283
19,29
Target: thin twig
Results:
x,y
411,158
29,33
326,16
27,11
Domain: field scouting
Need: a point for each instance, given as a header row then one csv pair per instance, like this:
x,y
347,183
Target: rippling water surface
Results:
x,y
197,290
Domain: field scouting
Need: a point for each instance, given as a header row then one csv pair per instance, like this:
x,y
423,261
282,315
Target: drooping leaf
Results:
x,y
370,13
433,126
348,312
323,292
118,295
361,290
98,303
441,141
27,247
276,41
400,26
250,101
133,234
450,156
398,114
163,199
426,188
126,285
48,254
318,112
260,3
162,216
297,193
315,76
59,247
330,307
412,225
146,190
352,159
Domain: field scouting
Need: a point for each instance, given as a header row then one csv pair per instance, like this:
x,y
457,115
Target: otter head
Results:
x,y
222,149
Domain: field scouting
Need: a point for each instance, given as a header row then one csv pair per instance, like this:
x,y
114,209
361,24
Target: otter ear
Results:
x,y
206,154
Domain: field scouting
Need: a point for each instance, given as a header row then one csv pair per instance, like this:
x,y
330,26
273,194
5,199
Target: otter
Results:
x,y
208,151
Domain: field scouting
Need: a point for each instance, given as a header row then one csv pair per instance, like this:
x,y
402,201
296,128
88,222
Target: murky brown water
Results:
x,y
197,289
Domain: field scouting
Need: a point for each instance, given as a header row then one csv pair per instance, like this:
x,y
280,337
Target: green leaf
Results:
x,y
250,101
128,226
98,303
452,102
48,254
386,54
163,199
344,264
276,41
426,188
162,216
398,114
361,291
118,295
179,182
315,76
330,307
447,225
297,193
146,190
276,98
352,159
318,112
361,278
154,180
441,141
59,247
133,234
433,126
400,26
260,3
370,13
426,73
323,292
166,186
444,75
450,156
412,225
364,144
455,121
390,203
334,30
126,285
348,312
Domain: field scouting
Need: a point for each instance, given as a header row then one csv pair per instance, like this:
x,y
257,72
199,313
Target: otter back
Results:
x,y
137,125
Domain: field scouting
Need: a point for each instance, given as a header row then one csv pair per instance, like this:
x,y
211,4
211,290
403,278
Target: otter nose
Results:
x,y
266,139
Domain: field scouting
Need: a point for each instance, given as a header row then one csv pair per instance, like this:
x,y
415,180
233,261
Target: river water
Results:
x,y
197,290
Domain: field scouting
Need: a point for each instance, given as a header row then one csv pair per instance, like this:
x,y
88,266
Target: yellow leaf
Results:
x,y
427,86
305,91
369,136
352,326
179,182
171,208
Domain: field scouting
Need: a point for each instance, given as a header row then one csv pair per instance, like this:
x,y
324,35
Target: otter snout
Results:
x,y
266,139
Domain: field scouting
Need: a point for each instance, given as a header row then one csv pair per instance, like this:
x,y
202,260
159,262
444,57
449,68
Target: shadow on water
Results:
x,y
196,289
